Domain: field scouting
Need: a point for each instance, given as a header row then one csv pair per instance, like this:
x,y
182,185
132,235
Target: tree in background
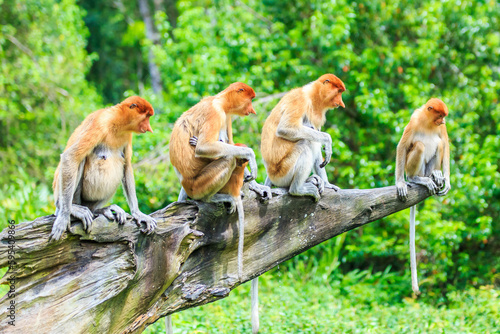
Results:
x,y
392,56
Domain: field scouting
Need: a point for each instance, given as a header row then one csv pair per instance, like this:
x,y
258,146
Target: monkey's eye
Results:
x,y
133,105
430,108
240,90
327,80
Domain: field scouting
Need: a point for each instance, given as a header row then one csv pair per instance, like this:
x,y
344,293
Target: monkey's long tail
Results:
x,y
413,257
241,228
168,325
254,291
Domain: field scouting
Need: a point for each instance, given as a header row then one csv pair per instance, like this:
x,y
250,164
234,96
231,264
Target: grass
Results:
x,y
288,305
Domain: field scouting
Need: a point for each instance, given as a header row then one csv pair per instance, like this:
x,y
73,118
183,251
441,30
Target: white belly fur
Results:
x,y
431,143
102,176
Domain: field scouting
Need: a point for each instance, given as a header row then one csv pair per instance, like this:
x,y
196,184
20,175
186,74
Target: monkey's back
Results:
x,y
182,154
278,153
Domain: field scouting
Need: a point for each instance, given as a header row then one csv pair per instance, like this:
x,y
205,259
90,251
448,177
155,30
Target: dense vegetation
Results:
x,y
61,59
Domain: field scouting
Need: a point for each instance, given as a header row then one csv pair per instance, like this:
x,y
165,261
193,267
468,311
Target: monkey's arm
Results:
x,y
71,159
214,149
400,167
291,128
129,187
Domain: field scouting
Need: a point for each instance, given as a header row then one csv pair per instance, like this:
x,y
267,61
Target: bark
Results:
x,y
117,280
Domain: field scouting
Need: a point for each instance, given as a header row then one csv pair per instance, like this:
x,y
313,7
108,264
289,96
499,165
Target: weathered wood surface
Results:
x,y
118,280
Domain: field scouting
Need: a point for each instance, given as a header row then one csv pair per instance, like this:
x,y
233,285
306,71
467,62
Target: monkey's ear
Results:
x,y
133,105
327,80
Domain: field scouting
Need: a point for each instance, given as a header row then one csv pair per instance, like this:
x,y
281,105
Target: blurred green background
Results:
x,y
62,59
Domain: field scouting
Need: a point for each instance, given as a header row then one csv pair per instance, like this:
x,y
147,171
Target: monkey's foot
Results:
x,y
84,214
444,191
61,224
329,185
224,198
279,191
317,181
264,192
438,178
113,212
142,218
307,189
427,182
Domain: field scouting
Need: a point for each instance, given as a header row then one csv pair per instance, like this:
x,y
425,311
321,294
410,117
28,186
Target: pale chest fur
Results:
x,y
431,143
103,172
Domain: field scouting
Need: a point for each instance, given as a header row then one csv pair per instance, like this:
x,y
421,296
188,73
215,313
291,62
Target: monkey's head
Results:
x,y
137,111
238,99
330,90
436,111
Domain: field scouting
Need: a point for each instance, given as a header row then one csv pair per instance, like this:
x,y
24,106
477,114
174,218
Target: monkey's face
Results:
x,y
240,96
437,111
139,111
331,91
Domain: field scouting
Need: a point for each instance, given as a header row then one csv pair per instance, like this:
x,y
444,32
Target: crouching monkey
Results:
x,y
292,140
96,159
205,159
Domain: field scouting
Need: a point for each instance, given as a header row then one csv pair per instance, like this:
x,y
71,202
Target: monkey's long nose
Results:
x,y
149,128
342,103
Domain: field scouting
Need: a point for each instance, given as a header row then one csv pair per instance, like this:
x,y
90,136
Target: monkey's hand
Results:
x,y
252,164
61,224
438,178
142,218
402,190
445,190
113,212
84,214
193,141
328,150
264,192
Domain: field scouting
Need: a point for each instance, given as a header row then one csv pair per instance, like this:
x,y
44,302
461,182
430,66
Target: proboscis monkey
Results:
x,y
422,152
205,167
292,140
233,188
96,159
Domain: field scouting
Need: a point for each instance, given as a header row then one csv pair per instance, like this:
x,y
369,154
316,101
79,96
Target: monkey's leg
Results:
x,y
415,166
303,166
212,178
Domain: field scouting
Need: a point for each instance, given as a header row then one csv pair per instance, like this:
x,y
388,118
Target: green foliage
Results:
x,y
43,96
364,303
392,56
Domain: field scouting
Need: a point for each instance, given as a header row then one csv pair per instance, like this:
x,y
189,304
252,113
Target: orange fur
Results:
x,y
112,127
201,176
235,183
308,102
425,122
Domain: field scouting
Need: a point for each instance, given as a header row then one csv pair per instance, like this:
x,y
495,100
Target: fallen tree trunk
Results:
x,y
118,280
